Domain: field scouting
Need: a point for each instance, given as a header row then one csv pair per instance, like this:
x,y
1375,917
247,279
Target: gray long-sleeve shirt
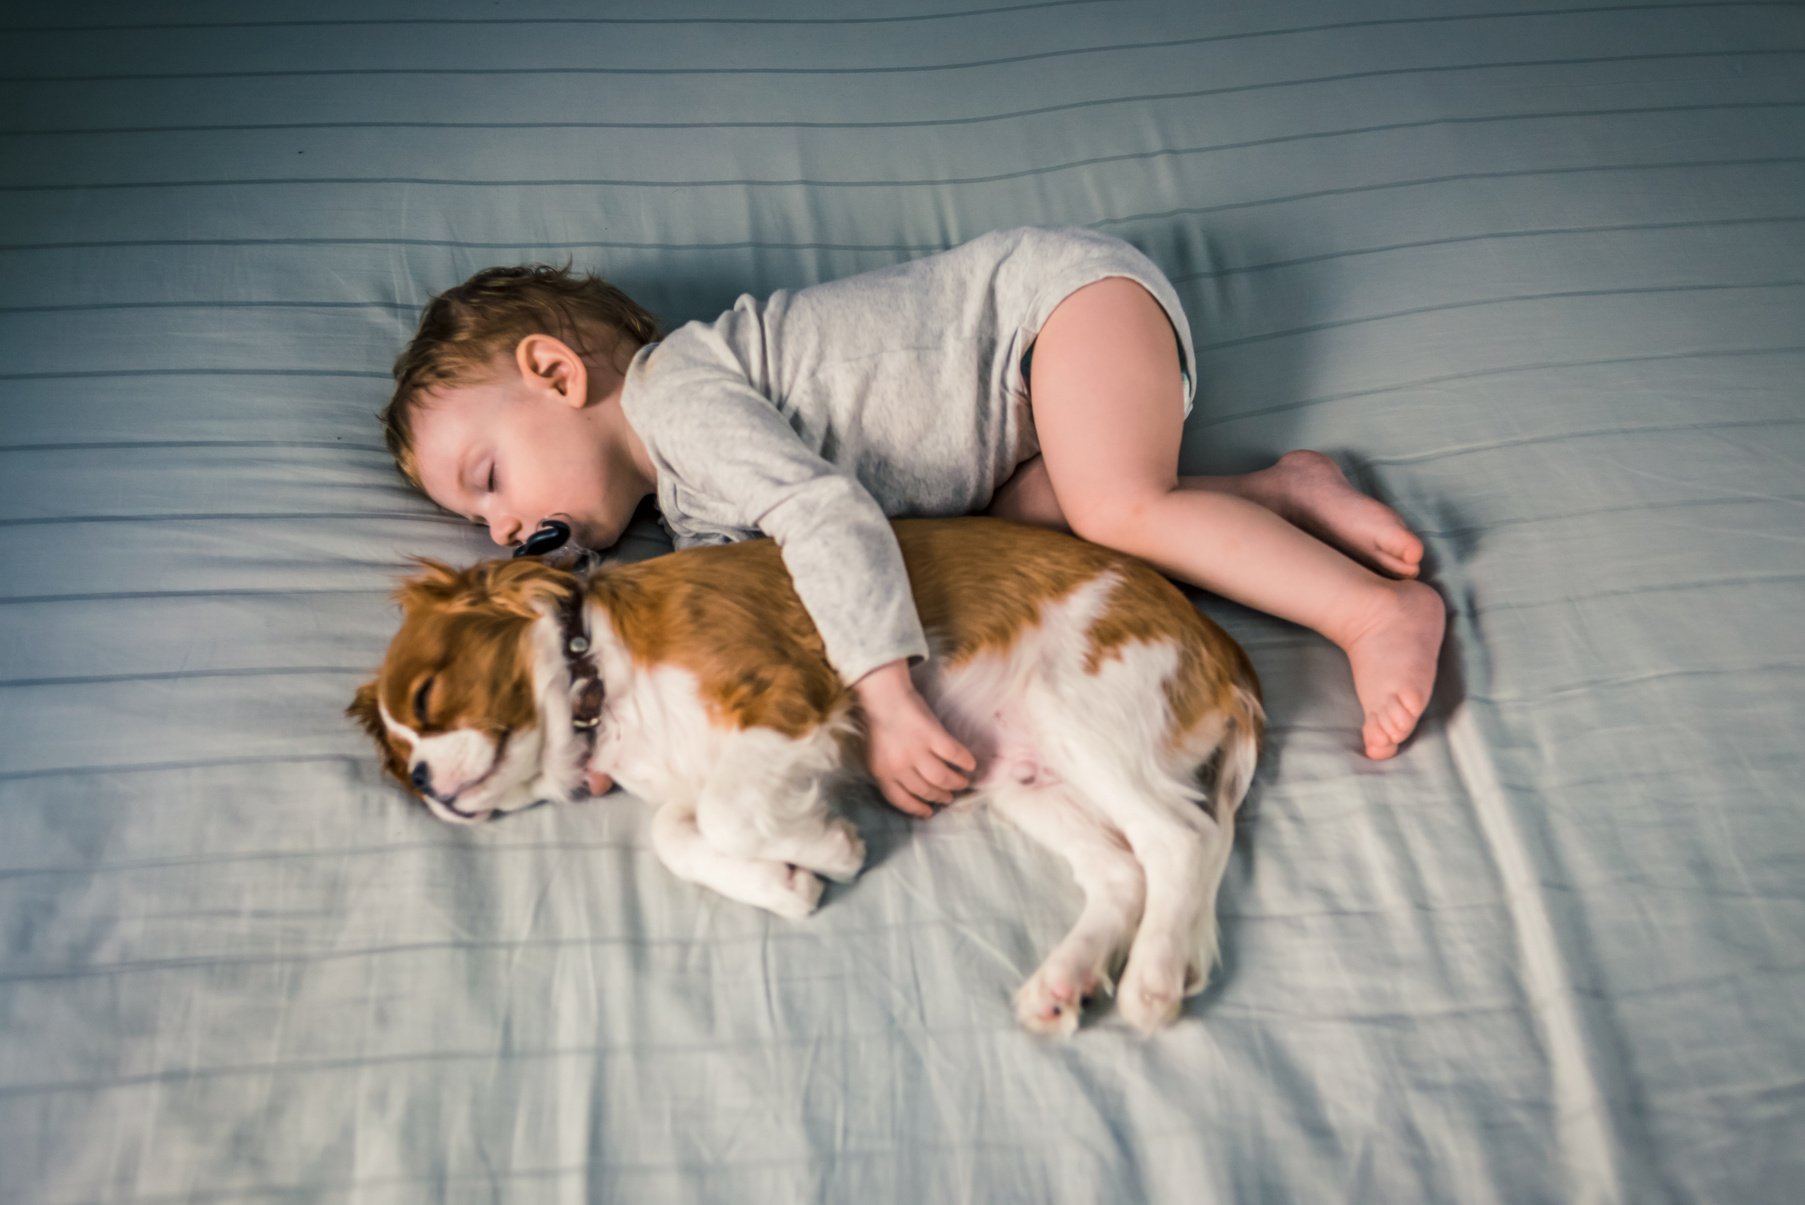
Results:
x,y
816,414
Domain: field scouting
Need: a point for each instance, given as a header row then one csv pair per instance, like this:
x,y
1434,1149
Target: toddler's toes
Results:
x,y
1399,553
1394,661
1389,724
1317,496
1379,743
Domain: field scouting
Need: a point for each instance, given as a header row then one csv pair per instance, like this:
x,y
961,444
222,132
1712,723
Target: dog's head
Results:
x,y
457,709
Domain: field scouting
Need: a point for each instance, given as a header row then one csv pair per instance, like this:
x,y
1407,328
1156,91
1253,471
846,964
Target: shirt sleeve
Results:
x,y
726,441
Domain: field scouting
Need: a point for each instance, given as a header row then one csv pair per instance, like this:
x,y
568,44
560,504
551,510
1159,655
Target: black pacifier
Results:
x,y
553,544
551,536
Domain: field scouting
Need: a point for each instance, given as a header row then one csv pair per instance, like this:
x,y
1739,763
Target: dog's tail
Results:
x,y
1236,756
1240,751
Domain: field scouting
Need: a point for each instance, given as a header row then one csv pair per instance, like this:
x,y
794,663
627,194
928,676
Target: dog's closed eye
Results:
x,y
422,694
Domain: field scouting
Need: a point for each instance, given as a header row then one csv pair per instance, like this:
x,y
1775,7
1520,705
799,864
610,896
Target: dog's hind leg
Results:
x,y
1114,890
779,887
1181,849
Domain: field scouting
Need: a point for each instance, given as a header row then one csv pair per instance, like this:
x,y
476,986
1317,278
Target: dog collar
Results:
x,y
585,679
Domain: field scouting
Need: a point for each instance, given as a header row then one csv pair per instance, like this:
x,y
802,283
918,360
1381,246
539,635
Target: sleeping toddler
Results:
x,y
1038,375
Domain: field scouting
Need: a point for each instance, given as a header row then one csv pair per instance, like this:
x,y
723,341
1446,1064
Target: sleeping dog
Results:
x,y
1092,693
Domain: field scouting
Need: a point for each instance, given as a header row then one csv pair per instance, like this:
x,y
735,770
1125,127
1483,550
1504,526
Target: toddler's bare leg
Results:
x,y
1311,491
1104,395
1304,487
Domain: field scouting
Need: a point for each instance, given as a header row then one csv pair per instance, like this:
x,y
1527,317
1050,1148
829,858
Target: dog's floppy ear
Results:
x,y
517,587
436,582
364,710
511,586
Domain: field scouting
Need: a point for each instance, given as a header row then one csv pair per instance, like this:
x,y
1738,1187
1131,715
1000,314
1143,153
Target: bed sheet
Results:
x,y
1534,271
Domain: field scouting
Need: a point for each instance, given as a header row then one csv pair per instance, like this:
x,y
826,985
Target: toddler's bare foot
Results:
x,y
1393,655
1311,491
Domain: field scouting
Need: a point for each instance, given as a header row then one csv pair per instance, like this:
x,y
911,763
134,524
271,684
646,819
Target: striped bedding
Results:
x,y
1535,271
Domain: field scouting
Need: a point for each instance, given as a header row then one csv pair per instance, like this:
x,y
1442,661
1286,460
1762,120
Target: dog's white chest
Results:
x,y
654,738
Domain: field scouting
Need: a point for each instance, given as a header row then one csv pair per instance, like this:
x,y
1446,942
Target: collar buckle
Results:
x,y
585,679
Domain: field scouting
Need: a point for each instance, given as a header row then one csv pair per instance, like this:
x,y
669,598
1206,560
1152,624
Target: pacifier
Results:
x,y
551,536
552,542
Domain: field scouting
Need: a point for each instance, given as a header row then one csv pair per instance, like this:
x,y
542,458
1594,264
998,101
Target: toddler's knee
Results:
x,y
1115,522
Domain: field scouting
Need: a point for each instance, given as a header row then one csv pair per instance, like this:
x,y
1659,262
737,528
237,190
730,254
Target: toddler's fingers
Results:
x,y
902,801
916,781
955,755
940,776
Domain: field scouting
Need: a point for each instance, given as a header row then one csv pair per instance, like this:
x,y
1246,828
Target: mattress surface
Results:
x,y
1535,273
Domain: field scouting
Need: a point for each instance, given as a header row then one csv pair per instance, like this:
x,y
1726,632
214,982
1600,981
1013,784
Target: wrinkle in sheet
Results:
x,y
1588,1146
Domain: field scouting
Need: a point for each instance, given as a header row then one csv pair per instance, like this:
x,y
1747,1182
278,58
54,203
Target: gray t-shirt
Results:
x,y
816,414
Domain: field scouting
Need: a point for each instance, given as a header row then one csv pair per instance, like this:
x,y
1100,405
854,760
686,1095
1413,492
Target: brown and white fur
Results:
x,y
1092,693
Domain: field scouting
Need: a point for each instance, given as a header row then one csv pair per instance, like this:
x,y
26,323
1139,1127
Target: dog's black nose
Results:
x,y
421,777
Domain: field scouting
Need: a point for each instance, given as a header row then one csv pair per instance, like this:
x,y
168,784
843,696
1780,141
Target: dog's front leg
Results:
x,y
775,886
766,798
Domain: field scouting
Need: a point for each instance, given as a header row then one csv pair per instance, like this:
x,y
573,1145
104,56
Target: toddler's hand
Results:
x,y
915,761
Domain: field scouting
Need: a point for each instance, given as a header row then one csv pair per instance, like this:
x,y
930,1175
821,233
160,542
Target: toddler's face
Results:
x,y
516,451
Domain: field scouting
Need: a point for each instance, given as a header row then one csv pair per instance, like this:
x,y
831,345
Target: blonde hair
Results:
x,y
465,329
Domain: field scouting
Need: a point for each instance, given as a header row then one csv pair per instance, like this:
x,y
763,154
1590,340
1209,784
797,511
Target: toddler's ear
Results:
x,y
557,365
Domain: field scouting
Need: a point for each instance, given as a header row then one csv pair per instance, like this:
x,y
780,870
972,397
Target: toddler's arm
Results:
x,y
728,445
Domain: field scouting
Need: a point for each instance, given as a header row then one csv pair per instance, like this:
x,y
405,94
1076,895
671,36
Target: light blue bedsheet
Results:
x,y
1536,271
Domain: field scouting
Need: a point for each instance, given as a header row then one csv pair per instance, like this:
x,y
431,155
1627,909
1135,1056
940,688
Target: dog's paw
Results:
x,y
792,893
1053,998
842,853
1158,978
